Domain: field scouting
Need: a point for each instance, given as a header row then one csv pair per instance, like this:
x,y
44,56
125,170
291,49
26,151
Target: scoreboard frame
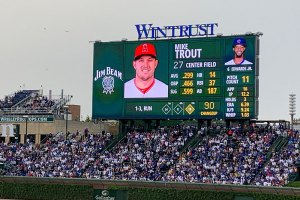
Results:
x,y
200,85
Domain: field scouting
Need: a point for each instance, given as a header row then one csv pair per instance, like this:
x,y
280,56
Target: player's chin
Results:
x,y
147,76
145,79
147,73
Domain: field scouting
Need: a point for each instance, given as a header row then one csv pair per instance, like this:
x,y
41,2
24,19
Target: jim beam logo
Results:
x,y
108,84
108,76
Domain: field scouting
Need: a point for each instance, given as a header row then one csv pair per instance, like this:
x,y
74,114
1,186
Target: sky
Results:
x,y
47,44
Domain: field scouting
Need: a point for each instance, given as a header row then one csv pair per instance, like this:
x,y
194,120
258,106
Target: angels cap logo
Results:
x,y
145,48
108,84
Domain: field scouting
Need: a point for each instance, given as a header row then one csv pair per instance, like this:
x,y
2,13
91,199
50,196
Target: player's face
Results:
x,y
239,50
145,67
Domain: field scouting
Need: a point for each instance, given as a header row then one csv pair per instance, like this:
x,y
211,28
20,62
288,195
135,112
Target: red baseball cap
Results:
x,y
144,49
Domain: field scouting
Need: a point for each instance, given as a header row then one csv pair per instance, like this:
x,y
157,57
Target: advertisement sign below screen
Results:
x,y
195,78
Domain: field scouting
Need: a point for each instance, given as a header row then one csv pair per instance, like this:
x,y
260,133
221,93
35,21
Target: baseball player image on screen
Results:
x,y
239,46
144,84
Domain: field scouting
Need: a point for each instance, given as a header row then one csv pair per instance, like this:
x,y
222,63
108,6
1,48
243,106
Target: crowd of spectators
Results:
x,y
56,158
27,101
13,99
282,164
235,156
38,103
142,155
232,158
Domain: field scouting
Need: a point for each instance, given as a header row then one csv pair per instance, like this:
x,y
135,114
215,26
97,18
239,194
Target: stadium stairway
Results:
x,y
197,138
191,144
60,103
118,138
278,144
21,102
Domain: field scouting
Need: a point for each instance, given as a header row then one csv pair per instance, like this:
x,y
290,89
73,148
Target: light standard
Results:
x,y
26,122
292,108
66,118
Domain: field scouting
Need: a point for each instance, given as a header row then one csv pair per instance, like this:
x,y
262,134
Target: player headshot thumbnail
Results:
x,y
239,47
144,84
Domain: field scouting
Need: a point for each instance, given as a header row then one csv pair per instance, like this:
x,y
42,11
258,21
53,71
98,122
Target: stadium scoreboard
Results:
x,y
200,83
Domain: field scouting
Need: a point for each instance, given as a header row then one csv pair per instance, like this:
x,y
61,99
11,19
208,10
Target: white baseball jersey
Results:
x,y
245,62
158,90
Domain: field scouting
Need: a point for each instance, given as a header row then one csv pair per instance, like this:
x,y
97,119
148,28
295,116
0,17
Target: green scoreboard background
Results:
x,y
200,85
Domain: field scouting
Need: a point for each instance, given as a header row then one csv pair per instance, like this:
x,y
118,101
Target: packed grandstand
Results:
x,y
262,155
31,102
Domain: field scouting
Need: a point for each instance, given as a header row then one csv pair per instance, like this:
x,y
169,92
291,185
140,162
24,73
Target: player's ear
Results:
x,y
133,64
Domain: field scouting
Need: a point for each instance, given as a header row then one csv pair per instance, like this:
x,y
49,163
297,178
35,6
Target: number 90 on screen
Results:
x,y
209,105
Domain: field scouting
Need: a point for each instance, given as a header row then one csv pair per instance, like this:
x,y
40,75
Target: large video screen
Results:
x,y
192,78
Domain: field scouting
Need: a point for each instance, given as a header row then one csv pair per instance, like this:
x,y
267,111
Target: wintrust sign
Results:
x,y
148,31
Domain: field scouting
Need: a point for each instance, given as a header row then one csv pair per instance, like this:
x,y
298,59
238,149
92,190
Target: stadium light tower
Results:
x,y
66,118
292,108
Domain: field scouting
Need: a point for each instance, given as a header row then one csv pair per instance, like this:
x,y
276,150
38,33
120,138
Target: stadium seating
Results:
x,y
31,102
233,156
